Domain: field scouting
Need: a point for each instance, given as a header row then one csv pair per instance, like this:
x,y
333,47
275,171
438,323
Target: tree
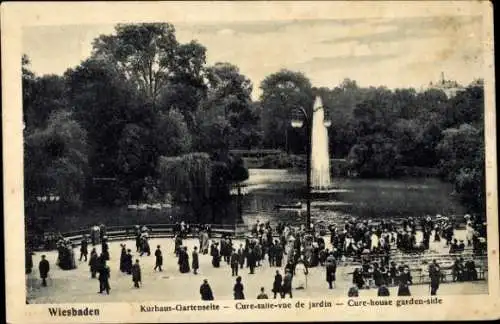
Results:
x,y
282,92
340,103
187,87
136,159
188,178
56,160
104,103
144,53
41,96
228,111
150,56
462,162
172,135
466,107
458,148
101,102
375,156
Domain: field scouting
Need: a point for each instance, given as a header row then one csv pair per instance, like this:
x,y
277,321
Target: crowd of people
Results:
x,y
296,250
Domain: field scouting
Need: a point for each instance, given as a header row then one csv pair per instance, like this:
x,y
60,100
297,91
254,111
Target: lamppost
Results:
x,y
301,118
45,200
298,122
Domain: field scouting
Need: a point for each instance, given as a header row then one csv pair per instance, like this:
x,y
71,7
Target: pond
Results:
x,y
265,189
268,193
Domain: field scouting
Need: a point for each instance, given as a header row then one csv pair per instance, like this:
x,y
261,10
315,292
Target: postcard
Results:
x,y
249,161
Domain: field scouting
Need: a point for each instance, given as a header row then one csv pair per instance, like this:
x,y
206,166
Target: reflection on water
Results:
x,y
268,193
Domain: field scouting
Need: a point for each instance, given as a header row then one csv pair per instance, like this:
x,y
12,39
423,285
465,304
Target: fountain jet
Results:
x,y
320,157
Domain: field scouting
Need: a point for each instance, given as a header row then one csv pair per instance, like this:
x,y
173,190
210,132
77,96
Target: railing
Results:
x,y
417,259
458,221
238,228
156,231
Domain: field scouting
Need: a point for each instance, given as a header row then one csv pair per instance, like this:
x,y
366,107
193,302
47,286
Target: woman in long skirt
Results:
x,y
301,272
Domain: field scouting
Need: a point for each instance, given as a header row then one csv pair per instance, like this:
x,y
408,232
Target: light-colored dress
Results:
x,y
300,277
469,230
375,241
204,241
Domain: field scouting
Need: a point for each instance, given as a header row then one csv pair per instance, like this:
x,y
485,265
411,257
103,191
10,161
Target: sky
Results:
x,y
390,50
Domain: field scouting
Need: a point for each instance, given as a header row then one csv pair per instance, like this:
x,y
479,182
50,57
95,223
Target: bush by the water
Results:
x,y
283,161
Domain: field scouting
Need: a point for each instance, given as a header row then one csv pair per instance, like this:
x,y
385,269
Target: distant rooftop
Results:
x,y
449,87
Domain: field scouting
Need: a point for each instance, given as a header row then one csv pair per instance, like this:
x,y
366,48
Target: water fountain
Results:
x,y
321,182
320,157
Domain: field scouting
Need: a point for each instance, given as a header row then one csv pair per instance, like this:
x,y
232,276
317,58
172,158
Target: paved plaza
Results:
x,y
170,285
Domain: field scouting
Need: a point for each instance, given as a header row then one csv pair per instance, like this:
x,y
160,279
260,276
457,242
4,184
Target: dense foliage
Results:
x,y
145,116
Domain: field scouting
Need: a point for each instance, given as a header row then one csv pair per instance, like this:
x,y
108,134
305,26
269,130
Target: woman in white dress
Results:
x,y
469,230
289,251
300,277
374,241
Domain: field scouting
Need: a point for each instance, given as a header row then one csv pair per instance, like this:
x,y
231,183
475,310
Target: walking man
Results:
x,y
278,254
93,263
195,263
287,284
241,256
104,275
105,248
123,256
128,262
44,268
331,268
251,260
83,248
435,275
136,274
159,259
234,263
278,279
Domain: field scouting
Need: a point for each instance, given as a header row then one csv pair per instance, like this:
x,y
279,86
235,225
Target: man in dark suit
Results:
x,y
195,263
235,259
331,269
83,248
159,259
241,256
44,268
104,275
435,275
